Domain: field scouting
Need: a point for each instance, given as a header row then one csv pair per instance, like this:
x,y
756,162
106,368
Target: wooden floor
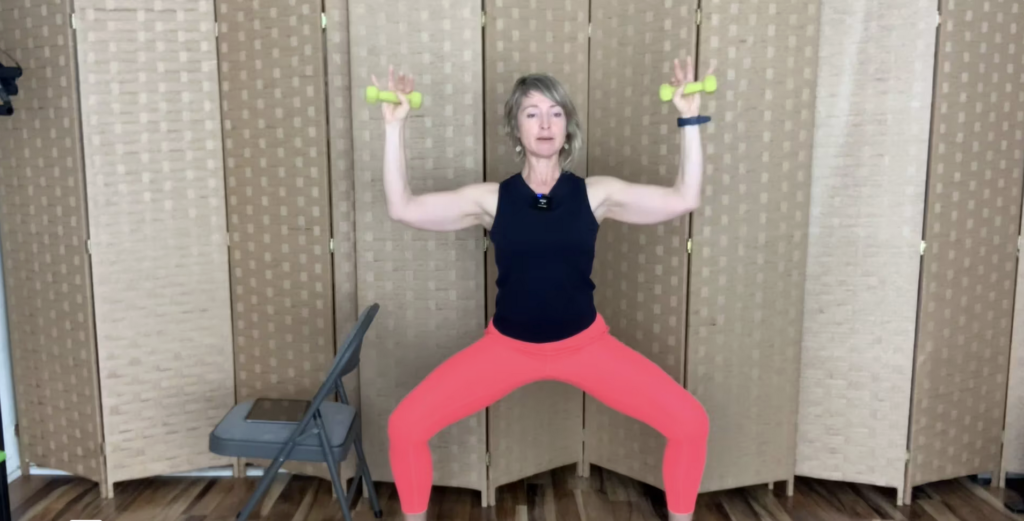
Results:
x,y
554,496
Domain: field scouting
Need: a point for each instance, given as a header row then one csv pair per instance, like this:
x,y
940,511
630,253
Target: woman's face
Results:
x,y
541,126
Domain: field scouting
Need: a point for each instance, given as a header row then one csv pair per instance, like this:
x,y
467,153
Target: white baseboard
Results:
x,y
217,472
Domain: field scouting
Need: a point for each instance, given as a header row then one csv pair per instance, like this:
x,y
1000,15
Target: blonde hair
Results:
x,y
552,89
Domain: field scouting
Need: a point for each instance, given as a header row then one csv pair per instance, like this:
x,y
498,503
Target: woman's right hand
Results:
x,y
403,85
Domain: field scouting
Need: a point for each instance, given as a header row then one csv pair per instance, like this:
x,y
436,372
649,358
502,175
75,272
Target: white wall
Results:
x,y
7,389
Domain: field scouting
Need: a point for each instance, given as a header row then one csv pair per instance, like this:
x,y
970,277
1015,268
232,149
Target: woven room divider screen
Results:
x,y
749,238
275,150
154,172
972,226
1013,433
430,285
867,206
44,231
540,426
640,271
342,208
157,131
868,385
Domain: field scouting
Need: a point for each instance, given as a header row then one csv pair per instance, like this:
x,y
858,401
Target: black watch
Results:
x,y
696,120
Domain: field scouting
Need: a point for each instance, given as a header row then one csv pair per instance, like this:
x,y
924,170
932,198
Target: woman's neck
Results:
x,y
542,173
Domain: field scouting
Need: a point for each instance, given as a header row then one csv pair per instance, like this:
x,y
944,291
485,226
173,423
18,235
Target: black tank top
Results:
x,y
545,258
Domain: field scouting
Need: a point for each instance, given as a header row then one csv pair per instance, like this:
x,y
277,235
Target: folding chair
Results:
x,y
325,434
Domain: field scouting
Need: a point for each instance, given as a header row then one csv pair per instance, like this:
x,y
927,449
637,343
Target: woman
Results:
x,y
543,223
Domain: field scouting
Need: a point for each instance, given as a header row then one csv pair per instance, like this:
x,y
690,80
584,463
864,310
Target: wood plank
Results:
x,y
553,496
738,508
994,497
565,485
880,503
154,500
710,508
212,492
938,510
965,504
511,499
595,506
765,504
853,504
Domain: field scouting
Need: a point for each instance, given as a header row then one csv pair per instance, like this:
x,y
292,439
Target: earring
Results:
x,y
519,148
566,146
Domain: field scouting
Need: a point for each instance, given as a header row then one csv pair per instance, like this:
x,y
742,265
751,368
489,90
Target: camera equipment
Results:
x,y
8,87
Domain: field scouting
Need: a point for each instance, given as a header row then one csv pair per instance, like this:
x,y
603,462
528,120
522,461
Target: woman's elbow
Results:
x,y
398,213
687,205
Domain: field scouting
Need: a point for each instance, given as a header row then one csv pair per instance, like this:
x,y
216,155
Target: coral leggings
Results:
x,y
593,361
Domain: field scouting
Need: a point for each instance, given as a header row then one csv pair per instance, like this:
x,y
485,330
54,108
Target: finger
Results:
x,y
373,78
679,72
711,70
691,74
391,77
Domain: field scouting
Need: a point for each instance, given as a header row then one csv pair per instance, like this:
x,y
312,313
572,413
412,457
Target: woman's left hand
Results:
x,y
688,104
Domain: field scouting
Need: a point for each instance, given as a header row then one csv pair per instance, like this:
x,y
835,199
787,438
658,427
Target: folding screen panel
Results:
x,y
867,205
275,147
1013,435
640,271
540,426
155,183
430,285
750,236
44,231
971,227
339,108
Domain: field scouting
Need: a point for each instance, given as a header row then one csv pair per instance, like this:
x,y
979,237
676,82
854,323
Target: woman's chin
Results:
x,y
545,150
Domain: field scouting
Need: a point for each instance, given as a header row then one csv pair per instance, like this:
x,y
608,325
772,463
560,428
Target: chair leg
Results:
x,y
265,481
364,470
332,467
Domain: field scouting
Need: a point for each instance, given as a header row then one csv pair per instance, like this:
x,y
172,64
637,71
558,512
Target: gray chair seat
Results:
x,y
237,437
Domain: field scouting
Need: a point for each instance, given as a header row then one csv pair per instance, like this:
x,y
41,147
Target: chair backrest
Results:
x,y
345,361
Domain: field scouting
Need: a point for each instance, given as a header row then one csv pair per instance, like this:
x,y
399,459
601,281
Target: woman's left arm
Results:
x,y
635,203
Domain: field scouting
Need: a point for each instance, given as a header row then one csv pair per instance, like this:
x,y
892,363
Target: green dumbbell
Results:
x,y
374,95
709,85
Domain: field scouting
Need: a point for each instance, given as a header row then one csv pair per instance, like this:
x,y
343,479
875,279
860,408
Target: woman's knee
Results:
x,y
689,419
402,424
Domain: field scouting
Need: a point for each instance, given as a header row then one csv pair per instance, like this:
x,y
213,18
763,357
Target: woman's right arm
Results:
x,y
470,205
